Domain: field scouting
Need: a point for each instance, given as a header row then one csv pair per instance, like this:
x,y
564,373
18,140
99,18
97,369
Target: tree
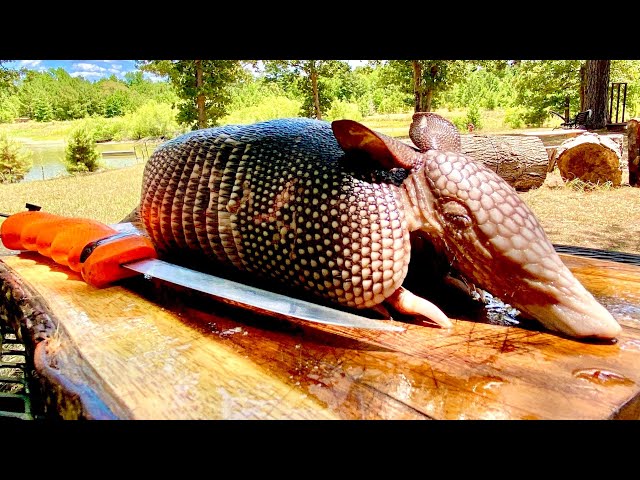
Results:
x,y
545,85
307,75
597,74
15,160
81,154
427,78
8,78
202,85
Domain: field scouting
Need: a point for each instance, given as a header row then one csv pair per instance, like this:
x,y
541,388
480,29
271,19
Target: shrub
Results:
x,y
104,129
473,117
9,108
514,117
273,106
15,160
152,119
341,109
81,153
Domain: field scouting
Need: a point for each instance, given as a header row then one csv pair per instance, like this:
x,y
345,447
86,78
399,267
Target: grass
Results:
x,y
40,131
106,196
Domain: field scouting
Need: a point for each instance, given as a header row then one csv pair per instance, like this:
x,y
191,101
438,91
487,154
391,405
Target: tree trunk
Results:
x,y
633,152
520,160
591,158
417,86
583,81
316,95
596,92
202,118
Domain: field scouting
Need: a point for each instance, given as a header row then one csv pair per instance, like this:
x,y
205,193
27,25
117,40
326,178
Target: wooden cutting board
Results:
x,y
141,350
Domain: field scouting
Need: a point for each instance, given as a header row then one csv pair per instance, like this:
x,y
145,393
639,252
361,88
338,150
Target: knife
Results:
x,y
247,296
124,252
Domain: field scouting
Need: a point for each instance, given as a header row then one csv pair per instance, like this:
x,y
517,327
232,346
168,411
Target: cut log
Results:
x,y
521,161
633,152
591,158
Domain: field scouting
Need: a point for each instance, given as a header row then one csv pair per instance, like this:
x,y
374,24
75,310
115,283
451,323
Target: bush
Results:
x,y
15,160
341,109
81,153
270,107
9,108
514,117
103,129
473,117
152,119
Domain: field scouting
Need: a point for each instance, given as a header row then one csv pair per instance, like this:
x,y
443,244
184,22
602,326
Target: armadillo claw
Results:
x,y
406,302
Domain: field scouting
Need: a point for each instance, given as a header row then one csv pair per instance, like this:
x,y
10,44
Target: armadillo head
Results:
x,y
488,234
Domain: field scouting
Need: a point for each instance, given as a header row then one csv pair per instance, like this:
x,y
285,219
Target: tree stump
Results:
x,y
521,160
633,152
591,158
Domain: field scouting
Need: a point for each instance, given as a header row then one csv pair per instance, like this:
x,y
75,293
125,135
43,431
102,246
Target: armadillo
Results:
x,y
331,209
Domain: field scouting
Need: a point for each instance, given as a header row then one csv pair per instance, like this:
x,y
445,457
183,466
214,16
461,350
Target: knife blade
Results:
x,y
264,301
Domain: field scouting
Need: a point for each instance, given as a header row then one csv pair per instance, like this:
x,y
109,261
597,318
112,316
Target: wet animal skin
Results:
x,y
331,209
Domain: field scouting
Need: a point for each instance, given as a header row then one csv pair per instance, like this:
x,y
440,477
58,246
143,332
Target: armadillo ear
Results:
x,y
386,151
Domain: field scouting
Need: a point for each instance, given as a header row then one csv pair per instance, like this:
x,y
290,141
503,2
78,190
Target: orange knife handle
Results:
x,y
101,260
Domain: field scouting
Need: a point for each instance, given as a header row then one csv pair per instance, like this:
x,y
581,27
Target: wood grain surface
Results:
x,y
145,350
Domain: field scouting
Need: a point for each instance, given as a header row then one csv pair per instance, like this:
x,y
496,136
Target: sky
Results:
x,y
94,69
89,69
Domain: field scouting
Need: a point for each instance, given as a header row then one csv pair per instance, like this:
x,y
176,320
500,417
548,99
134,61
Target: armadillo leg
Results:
x,y
406,302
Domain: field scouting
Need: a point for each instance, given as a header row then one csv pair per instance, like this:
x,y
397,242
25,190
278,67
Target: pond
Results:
x,y
48,157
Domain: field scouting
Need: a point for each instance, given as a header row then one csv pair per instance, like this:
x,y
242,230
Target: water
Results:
x,y
48,158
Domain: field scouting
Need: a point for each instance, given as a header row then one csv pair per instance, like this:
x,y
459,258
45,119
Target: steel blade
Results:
x,y
257,299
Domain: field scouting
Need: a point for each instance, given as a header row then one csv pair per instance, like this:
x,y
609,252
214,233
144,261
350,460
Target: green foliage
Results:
x,y
81,154
153,119
217,77
473,117
514,117
15,160
436,77
543,85
275,106
341,109
105,129
9,107
308,79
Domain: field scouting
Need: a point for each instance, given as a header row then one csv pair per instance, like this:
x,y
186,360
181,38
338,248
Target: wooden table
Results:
x,y
139,350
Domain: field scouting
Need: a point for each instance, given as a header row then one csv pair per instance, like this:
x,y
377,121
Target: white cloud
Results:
x,y
30,63
88,67
86,74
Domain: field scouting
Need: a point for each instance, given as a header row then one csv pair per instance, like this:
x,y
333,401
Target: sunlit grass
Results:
x,y
106,196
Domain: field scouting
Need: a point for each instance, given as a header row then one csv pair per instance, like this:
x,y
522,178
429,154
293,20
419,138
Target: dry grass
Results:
x,y
586,215
106,196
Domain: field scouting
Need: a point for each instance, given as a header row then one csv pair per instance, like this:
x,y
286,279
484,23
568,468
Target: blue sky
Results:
x,y
89,69
94,69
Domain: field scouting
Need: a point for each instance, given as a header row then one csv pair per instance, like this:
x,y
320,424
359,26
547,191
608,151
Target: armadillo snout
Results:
x,y
493,239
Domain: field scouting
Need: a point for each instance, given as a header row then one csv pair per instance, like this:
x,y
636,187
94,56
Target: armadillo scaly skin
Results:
x,y
271,199
332,209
